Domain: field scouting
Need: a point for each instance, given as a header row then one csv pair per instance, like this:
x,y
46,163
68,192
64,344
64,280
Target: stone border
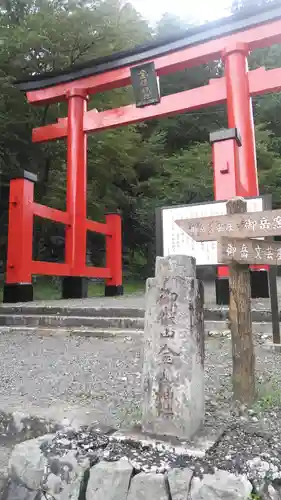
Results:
x,y
78,466
62,476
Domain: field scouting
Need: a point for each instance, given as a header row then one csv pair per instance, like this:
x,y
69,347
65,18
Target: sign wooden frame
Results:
x,y
160,221
248,225
240,252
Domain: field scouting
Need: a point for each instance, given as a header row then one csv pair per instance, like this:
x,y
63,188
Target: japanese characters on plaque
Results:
x,y
167,320
177,241
145,84
258,251
215,227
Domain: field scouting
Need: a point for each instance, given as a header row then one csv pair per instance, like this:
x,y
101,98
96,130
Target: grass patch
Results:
x,y
48,289
268,395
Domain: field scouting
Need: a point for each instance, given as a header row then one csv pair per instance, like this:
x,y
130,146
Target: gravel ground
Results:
x,y
89,379
85,379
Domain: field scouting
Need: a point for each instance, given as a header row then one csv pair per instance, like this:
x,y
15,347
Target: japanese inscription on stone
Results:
x,y
246,225
168,332
167,354
165,401
249,251
168,304
167,318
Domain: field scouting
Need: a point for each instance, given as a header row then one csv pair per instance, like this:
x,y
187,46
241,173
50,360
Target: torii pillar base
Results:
x,y
259,287
17,292
74,287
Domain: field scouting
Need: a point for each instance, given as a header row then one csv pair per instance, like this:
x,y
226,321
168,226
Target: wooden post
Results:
x,y
273,293
272,277
243,356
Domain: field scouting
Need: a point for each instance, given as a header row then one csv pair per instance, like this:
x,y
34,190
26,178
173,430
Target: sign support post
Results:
x,y
272,281
243,356
237,235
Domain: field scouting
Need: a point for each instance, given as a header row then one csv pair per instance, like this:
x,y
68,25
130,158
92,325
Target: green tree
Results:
x,y
44,35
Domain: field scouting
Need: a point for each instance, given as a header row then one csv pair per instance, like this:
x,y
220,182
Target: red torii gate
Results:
x,y
235,171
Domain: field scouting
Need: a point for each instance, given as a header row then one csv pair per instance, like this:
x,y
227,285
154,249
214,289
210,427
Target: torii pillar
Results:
x,y
234,150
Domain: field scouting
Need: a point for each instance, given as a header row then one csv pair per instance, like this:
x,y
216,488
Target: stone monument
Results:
x,y
173,369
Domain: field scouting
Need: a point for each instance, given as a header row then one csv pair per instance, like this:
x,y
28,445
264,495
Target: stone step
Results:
x,y
214,313
42,310
212,329
221,314
215,327
103,323
105,333
71,321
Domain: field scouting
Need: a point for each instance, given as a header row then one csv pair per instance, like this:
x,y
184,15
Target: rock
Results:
x,y
271,491
4,483
27,463
109,481
72,490
17,491
274,494
54,465
220,486
148,487
69,468
70,479
179,483
18,420
79,484
173,372
261,472
53,484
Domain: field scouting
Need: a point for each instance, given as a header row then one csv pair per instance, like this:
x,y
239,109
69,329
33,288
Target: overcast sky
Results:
x,y
199,10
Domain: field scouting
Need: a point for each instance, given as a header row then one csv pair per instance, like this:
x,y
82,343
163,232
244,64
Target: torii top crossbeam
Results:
x,y
198,45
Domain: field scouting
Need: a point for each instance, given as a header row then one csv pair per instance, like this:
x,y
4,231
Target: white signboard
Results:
x,y
176,241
